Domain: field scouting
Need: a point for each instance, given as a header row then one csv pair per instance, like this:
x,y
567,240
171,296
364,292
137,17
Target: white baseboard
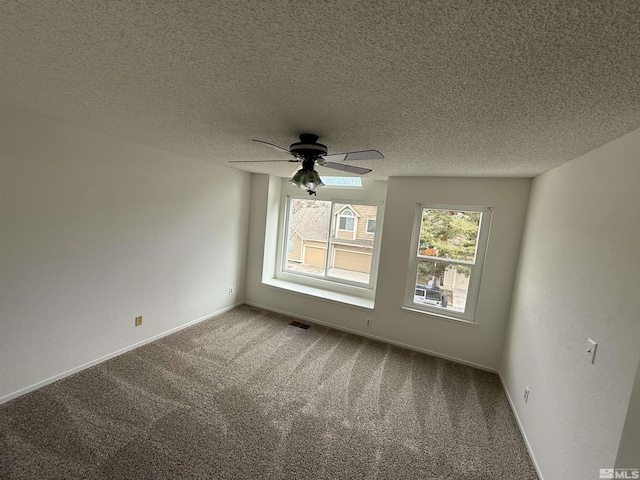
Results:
x,y
374,337
79,368
521,427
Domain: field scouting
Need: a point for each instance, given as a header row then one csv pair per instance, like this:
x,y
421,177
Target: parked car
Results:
x,y
429,295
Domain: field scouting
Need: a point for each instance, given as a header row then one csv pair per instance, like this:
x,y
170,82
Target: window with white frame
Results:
x,y
371,225
445,267
324,240
346,220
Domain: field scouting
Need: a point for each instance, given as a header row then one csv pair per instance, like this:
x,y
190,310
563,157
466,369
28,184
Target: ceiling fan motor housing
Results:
x,y
308,147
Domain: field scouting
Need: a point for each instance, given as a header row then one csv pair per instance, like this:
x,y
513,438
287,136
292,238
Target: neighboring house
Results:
x,y
453,284
456,285
351,239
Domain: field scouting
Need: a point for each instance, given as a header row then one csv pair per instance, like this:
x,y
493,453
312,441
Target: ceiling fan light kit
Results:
x,y
307,180
309,152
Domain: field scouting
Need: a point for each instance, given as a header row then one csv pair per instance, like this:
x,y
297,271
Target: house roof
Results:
x,y
359,242
464,88
355,211
312,221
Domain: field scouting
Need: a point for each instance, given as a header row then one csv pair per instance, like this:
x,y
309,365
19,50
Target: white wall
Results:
x,y
479,345
629,449
578,279
96,230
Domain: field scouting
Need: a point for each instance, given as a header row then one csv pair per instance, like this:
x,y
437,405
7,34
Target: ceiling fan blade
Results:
x,y
262,161
271,145
360,155
346,168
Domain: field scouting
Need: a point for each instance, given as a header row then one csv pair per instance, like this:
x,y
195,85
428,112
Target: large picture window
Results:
x,y
449,243
330,240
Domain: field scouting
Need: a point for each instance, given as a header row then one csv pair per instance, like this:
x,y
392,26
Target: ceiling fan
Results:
x,y
308,152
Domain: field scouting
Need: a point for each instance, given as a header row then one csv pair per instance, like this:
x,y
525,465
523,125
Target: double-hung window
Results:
x,y
330,241
447,257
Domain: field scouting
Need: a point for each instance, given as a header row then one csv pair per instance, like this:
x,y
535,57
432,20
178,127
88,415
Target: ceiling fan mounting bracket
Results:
x,y
308,147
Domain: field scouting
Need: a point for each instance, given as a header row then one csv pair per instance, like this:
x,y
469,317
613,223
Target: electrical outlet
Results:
x,y
230,290
138,321
526,394
368,322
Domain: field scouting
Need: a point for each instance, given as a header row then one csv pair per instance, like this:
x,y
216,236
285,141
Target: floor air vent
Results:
x,y
299,325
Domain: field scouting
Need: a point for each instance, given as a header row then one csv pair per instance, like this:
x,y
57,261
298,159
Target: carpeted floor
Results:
x,y
247,396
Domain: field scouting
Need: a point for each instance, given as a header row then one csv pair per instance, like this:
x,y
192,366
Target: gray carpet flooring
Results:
x,y
247,396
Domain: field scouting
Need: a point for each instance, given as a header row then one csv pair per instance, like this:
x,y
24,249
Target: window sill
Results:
x,y
320,293
469,323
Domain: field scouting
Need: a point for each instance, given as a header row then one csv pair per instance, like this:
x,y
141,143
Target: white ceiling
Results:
x,y
460,88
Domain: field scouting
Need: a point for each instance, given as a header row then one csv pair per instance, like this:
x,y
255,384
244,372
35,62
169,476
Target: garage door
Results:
x,y
356,262
314,256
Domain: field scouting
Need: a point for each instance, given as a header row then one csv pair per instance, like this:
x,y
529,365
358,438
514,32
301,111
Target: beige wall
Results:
x,y
361,214
94,231
296,254
578,279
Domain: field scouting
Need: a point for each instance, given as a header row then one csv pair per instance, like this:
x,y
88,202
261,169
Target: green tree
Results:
x,y
446,234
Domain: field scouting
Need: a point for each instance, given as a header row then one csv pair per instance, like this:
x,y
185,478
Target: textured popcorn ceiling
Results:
x,y
505,88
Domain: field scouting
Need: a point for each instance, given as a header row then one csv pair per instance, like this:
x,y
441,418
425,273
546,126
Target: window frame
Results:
x,y
366,227
327,282
351,216
476,266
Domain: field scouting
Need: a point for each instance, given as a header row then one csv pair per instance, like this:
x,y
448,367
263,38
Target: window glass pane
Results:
x,y
351,247
308,231
342,246
342,181
450,242
451,234
345,223
442,284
